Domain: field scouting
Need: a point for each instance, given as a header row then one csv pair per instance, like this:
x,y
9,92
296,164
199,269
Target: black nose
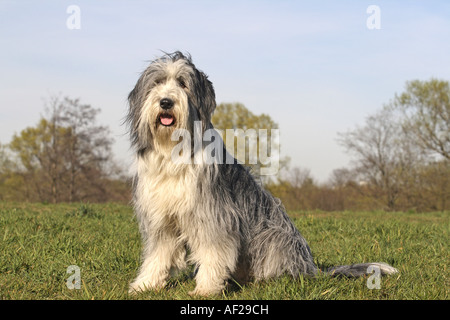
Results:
x,y
166,103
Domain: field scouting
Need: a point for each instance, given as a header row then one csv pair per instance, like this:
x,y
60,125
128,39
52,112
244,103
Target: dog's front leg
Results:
x,y
157,258
216,262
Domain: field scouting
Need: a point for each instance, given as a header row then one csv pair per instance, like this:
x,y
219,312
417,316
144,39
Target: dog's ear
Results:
x,y
136,98
133,98
206,97
210,97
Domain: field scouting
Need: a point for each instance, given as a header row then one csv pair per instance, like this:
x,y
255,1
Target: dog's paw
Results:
x,y
142,286
135,289
204,292
197,293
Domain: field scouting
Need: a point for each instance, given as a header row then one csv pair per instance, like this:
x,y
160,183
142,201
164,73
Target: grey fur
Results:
x,y
232,227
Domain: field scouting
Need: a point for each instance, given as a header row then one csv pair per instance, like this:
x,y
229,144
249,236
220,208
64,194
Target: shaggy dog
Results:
x,y
230,225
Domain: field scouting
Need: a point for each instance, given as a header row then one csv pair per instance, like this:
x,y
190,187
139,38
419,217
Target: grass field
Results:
x,y
39,242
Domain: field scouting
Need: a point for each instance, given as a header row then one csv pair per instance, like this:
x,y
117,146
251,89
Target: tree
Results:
x,y
401,154
383,157
341,177
425,106
235,121
39,162
5,161
435,183
66,157
300,177
5,167
88,145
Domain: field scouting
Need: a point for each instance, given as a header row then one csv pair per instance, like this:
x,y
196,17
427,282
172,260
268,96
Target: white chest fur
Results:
x,y
165,188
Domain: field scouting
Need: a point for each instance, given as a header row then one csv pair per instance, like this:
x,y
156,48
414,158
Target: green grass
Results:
x,y
39,242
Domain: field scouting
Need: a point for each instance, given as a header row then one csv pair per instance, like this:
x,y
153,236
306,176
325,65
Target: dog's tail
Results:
x,y
361,269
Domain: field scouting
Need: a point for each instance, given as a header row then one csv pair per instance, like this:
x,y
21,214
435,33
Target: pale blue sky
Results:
x,y
313,66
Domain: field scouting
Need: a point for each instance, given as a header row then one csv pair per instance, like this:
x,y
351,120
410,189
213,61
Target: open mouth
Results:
x,y
166,119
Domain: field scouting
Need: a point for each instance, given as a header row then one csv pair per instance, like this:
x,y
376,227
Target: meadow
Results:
x,y
39,242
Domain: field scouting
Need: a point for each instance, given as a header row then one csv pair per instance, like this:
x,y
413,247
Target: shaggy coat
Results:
x,y
230,225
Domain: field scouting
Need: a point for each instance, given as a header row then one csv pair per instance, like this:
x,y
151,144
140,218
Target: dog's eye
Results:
x,y
181,83
158,81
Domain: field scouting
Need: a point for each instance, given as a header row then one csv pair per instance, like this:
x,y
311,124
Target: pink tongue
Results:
x,y
167,121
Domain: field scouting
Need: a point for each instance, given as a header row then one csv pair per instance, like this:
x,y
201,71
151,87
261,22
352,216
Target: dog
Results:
x,y
230,225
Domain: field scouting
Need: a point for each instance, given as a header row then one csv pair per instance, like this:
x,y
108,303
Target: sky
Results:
x,y
315,67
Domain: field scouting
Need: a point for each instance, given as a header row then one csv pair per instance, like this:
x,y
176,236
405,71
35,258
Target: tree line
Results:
x,y
400,157
66,157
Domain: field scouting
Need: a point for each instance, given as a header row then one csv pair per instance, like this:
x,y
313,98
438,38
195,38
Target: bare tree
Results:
x,y
55,149
88,149
341,177
382,156
300,177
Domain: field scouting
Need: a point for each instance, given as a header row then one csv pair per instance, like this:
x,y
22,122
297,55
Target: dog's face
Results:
x,y
170,94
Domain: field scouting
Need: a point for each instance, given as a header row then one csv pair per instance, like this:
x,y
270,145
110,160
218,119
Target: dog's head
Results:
x,y
170,94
